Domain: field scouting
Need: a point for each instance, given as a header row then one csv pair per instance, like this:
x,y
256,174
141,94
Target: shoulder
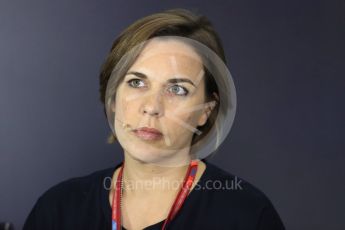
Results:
x,y
220,181
64,200
76,186
239,198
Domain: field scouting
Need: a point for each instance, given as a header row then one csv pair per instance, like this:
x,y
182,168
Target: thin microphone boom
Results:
x,y
124,125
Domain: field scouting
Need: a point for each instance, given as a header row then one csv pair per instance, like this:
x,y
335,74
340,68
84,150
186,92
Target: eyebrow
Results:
x,y
171,80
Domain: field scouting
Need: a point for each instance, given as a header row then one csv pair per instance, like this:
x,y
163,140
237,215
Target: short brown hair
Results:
x,y
175,22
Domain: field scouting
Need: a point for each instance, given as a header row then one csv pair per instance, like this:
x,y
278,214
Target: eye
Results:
x,y
178,90
135,83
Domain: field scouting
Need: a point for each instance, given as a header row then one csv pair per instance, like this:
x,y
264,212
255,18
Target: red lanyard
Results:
x,y
181,196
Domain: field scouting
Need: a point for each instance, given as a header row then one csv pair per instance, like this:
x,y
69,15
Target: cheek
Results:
x,y
193,119
190,120
123,107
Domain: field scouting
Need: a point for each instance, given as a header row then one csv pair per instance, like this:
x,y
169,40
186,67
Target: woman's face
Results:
x,y
164,92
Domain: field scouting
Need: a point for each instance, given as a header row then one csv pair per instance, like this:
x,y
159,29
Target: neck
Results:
x,y
142,178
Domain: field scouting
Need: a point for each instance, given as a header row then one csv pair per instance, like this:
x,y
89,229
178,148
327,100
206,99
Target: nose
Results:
x,y
152,104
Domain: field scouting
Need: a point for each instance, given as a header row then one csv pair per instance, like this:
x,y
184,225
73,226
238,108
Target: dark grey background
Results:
x,y
287,59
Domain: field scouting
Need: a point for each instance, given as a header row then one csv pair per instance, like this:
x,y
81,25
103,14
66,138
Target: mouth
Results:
x,y
146,133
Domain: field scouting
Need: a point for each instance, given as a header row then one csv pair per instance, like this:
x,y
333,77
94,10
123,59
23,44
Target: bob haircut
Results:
x,y
175,22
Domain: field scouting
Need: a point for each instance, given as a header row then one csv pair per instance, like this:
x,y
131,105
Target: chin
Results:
x,y
166,158
145,156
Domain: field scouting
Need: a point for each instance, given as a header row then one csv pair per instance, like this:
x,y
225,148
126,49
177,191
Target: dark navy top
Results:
x,y
219,201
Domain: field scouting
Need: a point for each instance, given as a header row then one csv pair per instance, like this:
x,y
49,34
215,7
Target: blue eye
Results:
x,y
178,90
175,89
135,83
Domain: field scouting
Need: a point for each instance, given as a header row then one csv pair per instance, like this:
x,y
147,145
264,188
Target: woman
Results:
x,y
170,101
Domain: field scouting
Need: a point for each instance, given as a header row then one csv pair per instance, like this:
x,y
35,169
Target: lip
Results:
x,y
148,133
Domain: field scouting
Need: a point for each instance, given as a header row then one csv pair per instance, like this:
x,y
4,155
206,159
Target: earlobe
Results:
x,y
112,106
203,119
206,113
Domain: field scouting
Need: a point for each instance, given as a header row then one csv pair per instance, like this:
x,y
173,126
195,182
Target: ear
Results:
x,y
208,107
112,106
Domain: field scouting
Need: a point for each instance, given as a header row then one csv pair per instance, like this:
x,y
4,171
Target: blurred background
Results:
x,y
287,59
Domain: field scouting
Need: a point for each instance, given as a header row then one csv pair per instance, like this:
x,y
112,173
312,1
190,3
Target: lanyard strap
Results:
x,y
181,196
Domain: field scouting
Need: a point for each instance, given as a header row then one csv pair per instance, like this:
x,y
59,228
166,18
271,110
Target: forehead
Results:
x,y
168,56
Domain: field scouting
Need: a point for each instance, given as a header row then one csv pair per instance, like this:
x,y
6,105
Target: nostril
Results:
x,y
152,113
